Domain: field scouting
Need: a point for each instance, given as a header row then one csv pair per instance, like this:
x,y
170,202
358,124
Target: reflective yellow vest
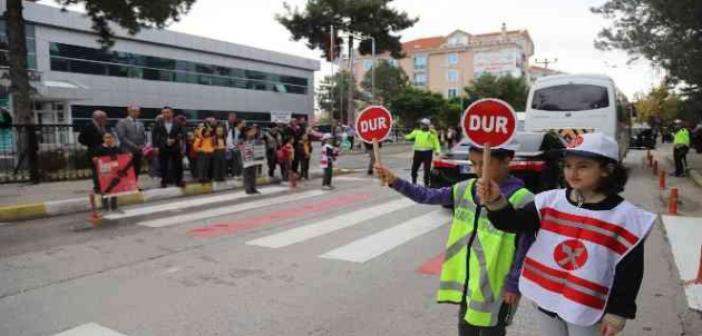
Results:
x,y
424,140
492,253
682,137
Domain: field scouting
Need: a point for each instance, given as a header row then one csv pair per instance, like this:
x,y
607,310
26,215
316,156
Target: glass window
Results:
x,y
80,59
420,79
572,97
393,62
420,62
367,65
452,58
452,92
452,75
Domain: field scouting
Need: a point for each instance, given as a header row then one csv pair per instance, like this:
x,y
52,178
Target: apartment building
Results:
x,y
446,64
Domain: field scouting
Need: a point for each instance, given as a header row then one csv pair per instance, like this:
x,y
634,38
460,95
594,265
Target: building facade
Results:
x,y
447,64
198,77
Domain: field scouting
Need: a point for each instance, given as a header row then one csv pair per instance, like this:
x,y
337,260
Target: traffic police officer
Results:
x,y
426,144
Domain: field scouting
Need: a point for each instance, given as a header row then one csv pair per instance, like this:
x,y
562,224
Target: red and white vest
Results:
x,y
569,270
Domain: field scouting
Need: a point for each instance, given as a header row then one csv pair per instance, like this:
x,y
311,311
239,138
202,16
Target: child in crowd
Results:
x,y
219,161
326,160
585,268
109,148
286,154
250,164
204,146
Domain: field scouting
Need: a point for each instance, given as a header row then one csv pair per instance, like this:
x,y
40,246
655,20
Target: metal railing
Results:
x,y
54,148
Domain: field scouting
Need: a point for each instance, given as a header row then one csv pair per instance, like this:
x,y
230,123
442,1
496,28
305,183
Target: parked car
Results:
x,y
642,137
535,162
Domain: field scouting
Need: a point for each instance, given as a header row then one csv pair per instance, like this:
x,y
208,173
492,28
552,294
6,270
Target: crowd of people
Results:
x,y
212,151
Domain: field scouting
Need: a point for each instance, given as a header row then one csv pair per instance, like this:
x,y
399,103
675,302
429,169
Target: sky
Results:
x,y
562,30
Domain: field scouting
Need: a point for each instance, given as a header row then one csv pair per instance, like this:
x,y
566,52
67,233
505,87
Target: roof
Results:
x,y
423,43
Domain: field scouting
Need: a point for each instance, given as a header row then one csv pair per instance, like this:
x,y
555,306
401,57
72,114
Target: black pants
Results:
x,y
249,177
136,163
305,168
271,160
219,165
93,169
171,165
679,155
422,158
204,162
296,162
465,329
328,172
235,163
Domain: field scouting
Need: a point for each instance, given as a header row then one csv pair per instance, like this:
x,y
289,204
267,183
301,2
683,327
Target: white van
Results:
x,y
576,104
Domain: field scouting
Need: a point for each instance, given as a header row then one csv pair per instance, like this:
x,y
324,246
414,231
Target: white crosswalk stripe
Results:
x,y
228,210
306,232
375,245
179,205
90,329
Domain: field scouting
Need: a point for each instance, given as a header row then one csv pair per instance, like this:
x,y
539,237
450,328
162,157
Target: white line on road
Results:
x,y
228,210
342,221
179,205
374,245
90,329
351,178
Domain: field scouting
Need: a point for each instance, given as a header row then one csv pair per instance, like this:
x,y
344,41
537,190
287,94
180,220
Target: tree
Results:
x,y
372,18
412,104
389,80
129,14
367,17
668,33
332,96
513,90
658,104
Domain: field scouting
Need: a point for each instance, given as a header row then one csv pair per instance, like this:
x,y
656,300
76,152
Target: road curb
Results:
x,y
25,211
693,174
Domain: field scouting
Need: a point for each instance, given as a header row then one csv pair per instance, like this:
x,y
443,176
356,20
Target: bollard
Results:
x,y
661,180
649,157
673,202
655,167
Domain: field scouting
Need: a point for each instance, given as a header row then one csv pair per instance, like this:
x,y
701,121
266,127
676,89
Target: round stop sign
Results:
x,y
374,122
489,121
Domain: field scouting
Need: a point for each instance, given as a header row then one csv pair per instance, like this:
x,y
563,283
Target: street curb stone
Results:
x,y
25,211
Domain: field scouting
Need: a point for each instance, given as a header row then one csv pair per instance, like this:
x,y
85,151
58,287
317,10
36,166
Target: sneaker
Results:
x,y
326,187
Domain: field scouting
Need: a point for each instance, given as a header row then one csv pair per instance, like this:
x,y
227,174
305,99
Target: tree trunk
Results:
x,y
19,88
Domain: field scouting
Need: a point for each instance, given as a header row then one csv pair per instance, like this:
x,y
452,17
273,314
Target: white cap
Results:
x,y
678,121
425,121
513,146
594,144
326,136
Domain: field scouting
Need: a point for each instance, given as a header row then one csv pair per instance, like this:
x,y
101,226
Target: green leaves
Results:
x,y
389,80
668,33
132,15
510,89
366,17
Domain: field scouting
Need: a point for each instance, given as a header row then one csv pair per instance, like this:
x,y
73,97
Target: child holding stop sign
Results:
x,y
481,265
585,268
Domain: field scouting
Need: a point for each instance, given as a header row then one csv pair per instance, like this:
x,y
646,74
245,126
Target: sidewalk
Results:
x,y
27,201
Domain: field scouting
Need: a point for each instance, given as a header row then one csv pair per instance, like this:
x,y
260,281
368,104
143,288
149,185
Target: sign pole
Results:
x,y
485,170
376,155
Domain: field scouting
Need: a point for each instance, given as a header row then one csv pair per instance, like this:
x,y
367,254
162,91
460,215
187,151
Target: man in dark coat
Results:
x,y
168,136
92,136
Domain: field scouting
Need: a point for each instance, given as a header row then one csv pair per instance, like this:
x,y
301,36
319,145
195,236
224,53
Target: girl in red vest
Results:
x,y
585,268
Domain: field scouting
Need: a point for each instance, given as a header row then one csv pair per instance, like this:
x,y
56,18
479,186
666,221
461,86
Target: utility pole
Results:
x,y
331,63
545,62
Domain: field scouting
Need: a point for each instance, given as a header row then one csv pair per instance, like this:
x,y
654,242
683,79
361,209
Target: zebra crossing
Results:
x,y
297,207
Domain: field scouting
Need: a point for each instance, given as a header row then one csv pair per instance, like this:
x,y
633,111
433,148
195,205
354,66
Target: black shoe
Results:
x,y
370,172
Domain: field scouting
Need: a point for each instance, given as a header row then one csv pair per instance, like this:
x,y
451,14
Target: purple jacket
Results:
x,y
444,196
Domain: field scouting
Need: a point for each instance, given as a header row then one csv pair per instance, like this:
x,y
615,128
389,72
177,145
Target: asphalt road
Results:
x,y
359,260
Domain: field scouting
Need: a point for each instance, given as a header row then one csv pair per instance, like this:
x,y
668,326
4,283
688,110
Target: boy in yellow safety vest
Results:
x,y
481,264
